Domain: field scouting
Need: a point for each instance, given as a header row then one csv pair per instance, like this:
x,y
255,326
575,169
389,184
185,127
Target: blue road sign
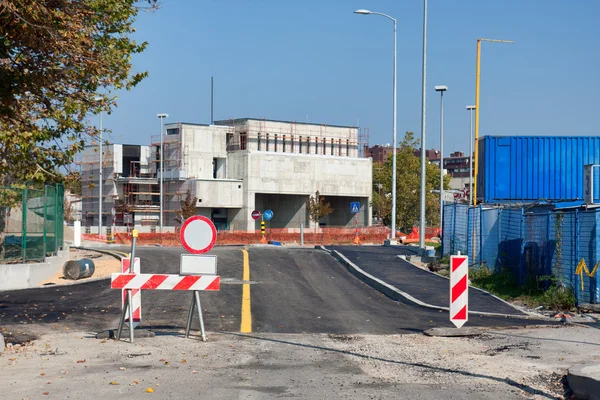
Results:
x,y
355,207
268,214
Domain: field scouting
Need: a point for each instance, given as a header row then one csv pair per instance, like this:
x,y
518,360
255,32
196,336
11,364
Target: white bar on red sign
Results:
x,y
197,264
459,290
165,282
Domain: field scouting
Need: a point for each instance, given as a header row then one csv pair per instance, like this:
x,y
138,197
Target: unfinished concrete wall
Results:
x,y
292,137
219,193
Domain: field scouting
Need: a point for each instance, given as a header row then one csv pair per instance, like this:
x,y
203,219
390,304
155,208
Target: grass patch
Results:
x,y
435,245
544,290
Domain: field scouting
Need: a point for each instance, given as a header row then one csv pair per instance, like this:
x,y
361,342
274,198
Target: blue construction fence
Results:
x,y
530,242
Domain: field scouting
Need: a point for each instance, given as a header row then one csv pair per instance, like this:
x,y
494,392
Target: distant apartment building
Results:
x,y
232,168
380,153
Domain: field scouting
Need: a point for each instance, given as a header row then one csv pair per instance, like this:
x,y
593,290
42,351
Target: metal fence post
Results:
x,y
24,225
480,234
45,238
521,255
547,255
469,235
578,293
453,251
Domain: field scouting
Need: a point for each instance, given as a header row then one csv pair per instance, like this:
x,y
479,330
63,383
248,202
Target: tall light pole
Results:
x,y
441,89
477,79
100,181
367,12
423,131
162,157
471,108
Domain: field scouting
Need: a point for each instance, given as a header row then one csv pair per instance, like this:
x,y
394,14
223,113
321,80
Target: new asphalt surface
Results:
x,y
384,263
292,290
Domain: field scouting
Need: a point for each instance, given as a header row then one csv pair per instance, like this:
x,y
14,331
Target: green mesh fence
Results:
x,y
31,223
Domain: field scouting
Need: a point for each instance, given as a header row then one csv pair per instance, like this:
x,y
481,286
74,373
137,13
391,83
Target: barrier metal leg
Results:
x,y
195,301
130,307
124,313
189,319
197,295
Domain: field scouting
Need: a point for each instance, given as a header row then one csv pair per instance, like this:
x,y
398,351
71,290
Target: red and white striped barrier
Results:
x,y
136,295
165,282
459,290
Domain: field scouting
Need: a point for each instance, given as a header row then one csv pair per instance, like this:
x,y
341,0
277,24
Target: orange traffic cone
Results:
x,y
263,240
356,240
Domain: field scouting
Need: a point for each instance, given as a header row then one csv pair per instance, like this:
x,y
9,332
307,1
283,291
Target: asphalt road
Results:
x,y
292,290
383,263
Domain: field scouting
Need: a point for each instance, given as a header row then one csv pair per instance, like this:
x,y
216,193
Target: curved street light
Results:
x,y
367,12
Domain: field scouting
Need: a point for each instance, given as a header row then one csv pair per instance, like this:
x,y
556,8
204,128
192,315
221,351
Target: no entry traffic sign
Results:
x,y
459,290
198,234
255,214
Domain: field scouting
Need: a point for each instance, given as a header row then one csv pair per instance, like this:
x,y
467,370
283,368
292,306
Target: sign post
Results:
x,y
459,290
267,215
355,209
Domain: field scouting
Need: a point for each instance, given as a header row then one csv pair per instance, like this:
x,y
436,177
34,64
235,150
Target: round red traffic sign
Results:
x,y
198,234
255,214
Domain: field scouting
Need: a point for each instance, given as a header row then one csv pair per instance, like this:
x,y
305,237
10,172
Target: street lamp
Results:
x,y
162,156
477,79
367,12
100,182
422,212
441,89
471,108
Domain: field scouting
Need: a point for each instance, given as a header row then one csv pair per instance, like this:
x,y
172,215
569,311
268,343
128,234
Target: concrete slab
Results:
x,y
137,333
23,276
584,381
454,332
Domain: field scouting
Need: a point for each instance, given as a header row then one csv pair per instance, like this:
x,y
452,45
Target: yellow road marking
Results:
x,y
246,325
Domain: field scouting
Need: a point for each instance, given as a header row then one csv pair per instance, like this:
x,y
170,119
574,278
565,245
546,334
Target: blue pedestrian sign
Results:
x,y
268,214
355,207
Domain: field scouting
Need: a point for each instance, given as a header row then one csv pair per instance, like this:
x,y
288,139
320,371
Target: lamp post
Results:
x,y
100,181
441,89
367,12
162,156
477,79
422,211
471,108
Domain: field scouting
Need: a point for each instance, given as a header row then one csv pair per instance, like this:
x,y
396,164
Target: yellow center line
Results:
x,y
246,325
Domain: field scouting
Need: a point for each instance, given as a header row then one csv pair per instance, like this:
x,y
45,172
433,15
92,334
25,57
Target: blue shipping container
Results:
x,y
534,168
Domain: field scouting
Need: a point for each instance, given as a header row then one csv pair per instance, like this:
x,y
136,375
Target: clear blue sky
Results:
x,y
295,59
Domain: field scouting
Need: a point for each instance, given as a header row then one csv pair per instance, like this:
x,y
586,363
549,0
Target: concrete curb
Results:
x,y
398,295
532,314
584,381
80,282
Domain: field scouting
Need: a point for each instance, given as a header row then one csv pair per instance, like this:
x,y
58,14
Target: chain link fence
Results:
x,y
31,223
529,242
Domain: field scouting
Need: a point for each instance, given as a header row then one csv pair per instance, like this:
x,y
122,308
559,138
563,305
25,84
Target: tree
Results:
x,y
317,208
56,58
188,207
408,186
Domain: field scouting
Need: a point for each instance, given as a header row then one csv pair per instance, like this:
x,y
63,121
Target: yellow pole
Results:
x,y
477,79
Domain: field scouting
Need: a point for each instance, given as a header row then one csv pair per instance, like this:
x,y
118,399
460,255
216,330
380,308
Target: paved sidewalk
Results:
x,y
384,264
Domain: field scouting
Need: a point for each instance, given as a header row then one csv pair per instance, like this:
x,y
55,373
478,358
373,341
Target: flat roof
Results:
x,y
186,123
239,120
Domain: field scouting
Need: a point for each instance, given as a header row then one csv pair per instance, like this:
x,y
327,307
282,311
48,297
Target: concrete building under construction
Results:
x,y
232,168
